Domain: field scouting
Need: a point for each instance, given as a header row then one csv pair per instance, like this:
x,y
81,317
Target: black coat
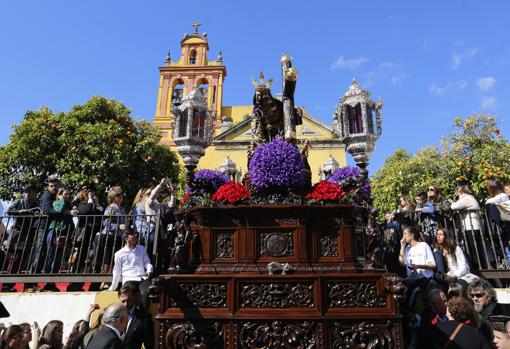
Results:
x,y
140,330
105,338
495,308
468,337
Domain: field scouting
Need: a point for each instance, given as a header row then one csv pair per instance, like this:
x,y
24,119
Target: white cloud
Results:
x,y
489,102
485,84
353,63
458,58
438,90
381,72
399,79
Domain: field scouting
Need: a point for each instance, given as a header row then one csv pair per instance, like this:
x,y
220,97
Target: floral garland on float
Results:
x,y
275,177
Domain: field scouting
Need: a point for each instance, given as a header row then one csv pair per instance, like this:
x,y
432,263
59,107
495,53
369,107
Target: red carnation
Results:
x,y
231,192
326,191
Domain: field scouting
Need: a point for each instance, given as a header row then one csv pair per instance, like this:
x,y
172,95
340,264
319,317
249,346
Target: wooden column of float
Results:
x,y
229,300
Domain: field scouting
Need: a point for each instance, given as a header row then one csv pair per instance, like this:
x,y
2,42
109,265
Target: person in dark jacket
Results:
x,y
19,239
485,300
115,321
39,248
140,328
460,331
90,220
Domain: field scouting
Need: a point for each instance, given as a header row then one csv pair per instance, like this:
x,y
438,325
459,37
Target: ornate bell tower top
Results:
x,y
192,70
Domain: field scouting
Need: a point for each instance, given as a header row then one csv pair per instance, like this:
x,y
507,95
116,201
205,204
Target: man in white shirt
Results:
x,y
132,263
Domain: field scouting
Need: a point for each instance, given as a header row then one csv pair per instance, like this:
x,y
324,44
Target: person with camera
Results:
x,y
153,210
61,231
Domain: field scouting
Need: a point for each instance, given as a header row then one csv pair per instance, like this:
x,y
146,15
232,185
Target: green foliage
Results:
x,y
476,151
473,153
96,144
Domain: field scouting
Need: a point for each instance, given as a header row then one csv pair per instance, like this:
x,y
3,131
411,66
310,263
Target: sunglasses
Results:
x,y
477,295
431,189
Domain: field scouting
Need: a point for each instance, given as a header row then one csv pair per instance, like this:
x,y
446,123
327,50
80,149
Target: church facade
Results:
x,y
232,133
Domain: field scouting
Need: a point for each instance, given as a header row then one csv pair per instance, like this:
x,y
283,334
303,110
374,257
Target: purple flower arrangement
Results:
x,y
276,166
344,176
207,182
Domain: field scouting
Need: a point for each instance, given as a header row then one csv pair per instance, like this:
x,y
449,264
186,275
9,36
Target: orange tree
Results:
x,y
474,152
97,144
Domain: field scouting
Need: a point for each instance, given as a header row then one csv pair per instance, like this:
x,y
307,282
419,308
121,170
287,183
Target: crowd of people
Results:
x,y
81,235
126,325
448,303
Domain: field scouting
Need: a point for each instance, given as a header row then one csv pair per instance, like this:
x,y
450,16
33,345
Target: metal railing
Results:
x,y
481,234
85,244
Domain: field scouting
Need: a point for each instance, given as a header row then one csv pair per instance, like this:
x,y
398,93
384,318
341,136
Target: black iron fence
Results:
x,y
482,235
84,245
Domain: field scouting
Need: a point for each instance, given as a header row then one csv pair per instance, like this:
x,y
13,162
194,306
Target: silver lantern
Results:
x,y
358,122
228,168
329,167
194,130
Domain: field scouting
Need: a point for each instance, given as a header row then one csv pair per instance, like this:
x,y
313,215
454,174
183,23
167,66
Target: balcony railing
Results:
x,y
480,234
82,248
70,247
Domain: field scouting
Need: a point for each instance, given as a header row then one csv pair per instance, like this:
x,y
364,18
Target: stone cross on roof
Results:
x,y
196,25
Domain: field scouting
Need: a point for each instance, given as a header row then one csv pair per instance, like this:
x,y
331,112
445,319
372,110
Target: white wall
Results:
x,y
43,307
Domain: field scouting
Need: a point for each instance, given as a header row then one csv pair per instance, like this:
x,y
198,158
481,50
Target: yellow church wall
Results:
x,y
319,153
236,112
214,157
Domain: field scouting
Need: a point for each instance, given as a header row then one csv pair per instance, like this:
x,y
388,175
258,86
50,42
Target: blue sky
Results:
x,y
430,61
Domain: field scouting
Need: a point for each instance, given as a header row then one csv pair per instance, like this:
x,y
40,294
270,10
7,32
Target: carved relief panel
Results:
x,y
277,334
328,244
349,294
276,295
203,295
194,334
276,244
224,245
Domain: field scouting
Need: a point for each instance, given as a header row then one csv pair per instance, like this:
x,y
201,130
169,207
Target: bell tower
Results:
x,y
178,78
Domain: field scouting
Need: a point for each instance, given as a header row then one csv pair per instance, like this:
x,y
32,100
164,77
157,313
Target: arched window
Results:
x,y
193,57
203,86
178,92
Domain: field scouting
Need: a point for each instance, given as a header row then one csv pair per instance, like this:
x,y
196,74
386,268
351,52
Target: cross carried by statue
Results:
x,y
276,116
